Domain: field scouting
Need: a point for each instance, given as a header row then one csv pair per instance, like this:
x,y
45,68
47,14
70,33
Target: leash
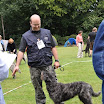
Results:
x,y
60,67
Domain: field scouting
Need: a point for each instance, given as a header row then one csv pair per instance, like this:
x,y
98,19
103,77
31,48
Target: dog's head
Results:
x,y
46,76
42,76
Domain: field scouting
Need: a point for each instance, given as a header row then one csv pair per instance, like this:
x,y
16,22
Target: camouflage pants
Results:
x,y
37,82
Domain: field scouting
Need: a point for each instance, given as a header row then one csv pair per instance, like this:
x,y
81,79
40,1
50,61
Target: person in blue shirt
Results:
x,y
98,55
1,44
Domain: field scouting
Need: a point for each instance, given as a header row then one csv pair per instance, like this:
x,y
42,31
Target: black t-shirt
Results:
x,y
92,36
23,43
11,47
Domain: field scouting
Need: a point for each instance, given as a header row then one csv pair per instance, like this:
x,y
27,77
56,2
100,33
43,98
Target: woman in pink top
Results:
x,y
79,43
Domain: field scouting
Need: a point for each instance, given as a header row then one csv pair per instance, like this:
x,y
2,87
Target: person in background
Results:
x,y
92,36
79,43
1,44
11,47
98,55
40,48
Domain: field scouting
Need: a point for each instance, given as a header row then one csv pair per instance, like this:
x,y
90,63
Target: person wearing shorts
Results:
x,y
92,36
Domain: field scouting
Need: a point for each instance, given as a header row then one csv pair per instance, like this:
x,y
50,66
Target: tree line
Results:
x,y
62,17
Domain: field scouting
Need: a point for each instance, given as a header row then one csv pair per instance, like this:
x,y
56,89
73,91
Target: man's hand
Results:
x,y
15,70
56,64
19,58
14,51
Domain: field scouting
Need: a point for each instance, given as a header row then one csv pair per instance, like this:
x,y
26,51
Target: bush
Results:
x,y
85,36
60,40
73,36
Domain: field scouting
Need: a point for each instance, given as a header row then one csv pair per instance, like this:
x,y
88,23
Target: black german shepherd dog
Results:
x,y
87,48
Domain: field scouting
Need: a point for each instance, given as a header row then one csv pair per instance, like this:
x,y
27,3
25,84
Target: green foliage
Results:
x,y
60,39
73,36
92,21
85,36
62,17
66,38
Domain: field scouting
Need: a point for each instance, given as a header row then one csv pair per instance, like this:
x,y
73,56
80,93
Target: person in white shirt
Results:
x,y
3,75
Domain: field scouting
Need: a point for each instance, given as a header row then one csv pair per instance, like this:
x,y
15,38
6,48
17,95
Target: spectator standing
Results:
x,y
11,47
98,55
1,44
92,36
40,47
79,43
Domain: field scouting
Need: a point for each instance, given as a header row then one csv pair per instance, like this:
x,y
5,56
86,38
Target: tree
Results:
x,y
62,17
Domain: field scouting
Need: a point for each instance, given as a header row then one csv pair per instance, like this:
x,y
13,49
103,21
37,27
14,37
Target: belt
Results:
x,y
80,42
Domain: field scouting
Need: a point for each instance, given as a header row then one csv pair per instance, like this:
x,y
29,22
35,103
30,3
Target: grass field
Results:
x,y
78,70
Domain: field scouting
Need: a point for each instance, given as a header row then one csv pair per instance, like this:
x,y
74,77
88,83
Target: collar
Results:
x,y
35,31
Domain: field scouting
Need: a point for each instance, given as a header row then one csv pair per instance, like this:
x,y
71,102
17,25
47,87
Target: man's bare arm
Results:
x,y
19,58
54,51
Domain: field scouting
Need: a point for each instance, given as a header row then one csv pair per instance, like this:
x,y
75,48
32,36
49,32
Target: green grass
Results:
x,y
75,71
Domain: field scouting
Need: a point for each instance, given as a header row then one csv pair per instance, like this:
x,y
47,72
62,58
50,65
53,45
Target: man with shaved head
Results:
x,y
40,49
35,22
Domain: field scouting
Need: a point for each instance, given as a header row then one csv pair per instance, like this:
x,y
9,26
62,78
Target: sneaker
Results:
x,y
78,57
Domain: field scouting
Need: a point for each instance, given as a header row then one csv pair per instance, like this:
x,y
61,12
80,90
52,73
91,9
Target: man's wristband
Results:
x,y
56,60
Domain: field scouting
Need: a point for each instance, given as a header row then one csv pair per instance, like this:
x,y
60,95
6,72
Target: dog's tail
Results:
x,y
95,94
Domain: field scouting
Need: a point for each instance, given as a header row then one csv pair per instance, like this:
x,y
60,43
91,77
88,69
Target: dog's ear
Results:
x,y
42,75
